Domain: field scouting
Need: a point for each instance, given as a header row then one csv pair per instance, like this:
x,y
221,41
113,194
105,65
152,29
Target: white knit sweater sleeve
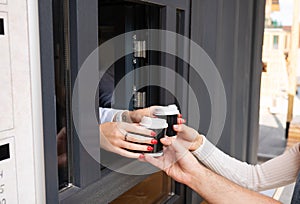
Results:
x,y
107,114
276,172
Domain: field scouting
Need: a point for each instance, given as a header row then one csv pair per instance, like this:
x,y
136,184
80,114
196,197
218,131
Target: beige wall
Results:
x,y
20,104
274,82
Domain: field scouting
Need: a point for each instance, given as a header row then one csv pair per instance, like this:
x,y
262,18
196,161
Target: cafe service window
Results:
x,y
79,27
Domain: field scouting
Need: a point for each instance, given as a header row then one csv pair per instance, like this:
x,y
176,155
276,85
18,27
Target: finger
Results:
x,y
180,121
62,160
177,146
62,133
138,129
178,128
149,112
140,139
133,146
154,161
166,141
153,109
142,158
128,154
179,150
186,132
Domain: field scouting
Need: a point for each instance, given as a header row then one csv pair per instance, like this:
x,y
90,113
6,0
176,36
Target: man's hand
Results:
x,y
188,137
182,166
176,161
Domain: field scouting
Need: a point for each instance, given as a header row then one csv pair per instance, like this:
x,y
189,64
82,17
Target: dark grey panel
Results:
x,y
48,100
225,30
242,81
256,63
83,41
231,33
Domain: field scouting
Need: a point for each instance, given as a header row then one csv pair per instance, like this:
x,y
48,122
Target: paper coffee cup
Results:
x,y
169,113
159,126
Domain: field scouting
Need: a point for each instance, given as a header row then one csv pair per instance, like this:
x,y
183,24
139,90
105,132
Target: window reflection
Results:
x,y
117,17
62,90
144,193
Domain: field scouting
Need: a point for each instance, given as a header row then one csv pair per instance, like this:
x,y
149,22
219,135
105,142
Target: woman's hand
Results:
x,y
176,161
61,139
137,115
118,137
187,136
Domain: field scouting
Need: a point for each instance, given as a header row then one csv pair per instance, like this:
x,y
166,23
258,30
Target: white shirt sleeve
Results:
x,y
274,173
107,114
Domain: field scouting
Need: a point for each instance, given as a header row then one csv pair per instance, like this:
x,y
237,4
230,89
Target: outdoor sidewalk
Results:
x,y
272,140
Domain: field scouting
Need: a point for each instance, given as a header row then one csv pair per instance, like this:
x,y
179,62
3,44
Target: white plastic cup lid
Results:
x,y
158,154
153,123
166,110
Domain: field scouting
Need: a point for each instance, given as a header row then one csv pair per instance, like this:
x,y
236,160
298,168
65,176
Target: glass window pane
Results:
x,y
118,18
275,41
62,92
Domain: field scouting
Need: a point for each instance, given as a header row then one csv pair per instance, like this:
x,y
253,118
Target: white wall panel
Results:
x,y
6,108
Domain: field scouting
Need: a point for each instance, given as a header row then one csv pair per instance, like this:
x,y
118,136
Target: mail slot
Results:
x,y
2,26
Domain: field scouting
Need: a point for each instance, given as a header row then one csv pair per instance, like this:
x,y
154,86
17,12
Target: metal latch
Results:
x,y
139,47
139,99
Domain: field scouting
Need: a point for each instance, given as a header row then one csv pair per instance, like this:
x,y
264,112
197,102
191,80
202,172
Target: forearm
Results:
x,y
271,174
217,189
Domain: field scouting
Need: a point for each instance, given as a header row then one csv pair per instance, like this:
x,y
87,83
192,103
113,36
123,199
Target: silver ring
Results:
x,y
126,134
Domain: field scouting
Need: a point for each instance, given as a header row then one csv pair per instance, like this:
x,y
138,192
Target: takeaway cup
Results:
x,y
169,113
159,126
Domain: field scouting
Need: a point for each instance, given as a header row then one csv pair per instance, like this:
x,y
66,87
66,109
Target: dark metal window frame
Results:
x,y
94,191
113,178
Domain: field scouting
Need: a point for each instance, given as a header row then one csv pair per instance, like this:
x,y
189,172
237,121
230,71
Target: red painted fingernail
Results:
x,y
142,156
149,148
153,141
180,121
179,115
153,133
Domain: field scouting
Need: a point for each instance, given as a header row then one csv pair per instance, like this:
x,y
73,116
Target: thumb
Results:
x,y
178,148
173,144
179,128
182,130
167,141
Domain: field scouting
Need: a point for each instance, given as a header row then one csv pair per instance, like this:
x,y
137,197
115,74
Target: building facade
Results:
x,y
46,42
